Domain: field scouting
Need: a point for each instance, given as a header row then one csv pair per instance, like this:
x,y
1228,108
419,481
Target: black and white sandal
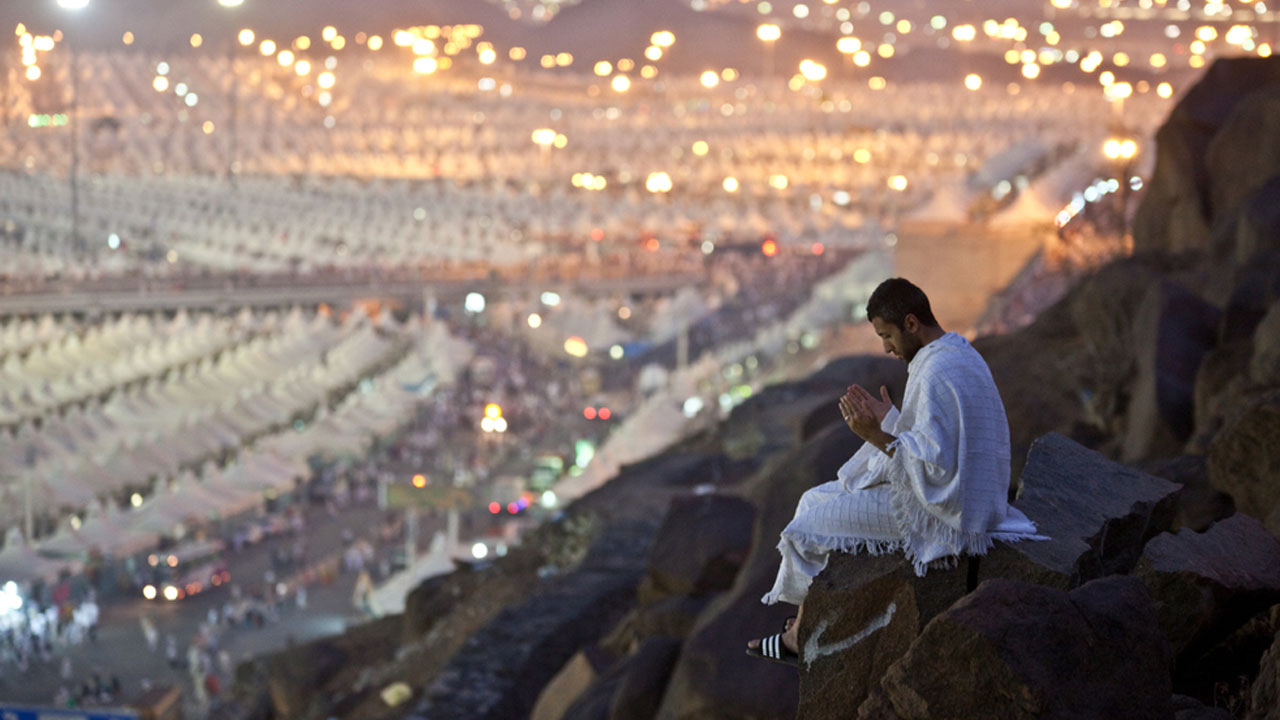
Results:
x,y
771,648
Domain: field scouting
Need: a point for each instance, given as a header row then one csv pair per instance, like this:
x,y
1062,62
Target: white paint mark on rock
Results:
x,y
813,649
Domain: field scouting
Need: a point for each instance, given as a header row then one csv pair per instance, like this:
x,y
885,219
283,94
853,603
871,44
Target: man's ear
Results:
x,y
911,324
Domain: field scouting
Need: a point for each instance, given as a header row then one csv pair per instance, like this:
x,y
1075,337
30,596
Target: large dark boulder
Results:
x,y
1264,366
1265,694
1206,585
714,677
1244,458
1097,513
643,679
1173,330
861,614
1244,155
1257,227
702,542
1181,205
1199,504
1015,650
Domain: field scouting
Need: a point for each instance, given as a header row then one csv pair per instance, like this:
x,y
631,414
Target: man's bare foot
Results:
x,y
790,638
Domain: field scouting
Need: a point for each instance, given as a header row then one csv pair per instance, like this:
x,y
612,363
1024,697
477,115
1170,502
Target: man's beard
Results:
x,y
910,346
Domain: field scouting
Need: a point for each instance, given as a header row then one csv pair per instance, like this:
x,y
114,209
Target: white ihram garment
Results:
x,y
943,493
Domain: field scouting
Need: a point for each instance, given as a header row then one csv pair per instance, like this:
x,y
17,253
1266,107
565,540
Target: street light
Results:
x,y
73,125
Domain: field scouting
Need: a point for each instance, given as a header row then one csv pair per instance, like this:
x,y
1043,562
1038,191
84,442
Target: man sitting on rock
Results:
x,y
931,481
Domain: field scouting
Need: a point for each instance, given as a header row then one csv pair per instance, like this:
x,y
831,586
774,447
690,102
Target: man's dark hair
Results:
x,y
895,299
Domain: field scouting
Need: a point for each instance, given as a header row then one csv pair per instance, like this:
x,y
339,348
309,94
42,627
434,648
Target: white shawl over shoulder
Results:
x,y
949,474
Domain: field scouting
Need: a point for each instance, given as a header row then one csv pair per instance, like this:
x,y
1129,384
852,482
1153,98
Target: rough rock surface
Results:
x,y
1199,504
1097,512
1186,707
1173,331
1244,459
862,613
1179,208
1016,650
1208,584
1265,695
703,541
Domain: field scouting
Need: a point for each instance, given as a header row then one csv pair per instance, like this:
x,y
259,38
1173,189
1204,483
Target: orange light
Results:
x,y
769,248
419,480
651,244
604,414
589,413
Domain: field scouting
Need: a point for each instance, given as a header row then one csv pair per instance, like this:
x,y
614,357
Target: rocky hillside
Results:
x,y
1145,413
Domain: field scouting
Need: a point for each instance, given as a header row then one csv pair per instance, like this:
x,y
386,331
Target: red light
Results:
x,y
597,234
818,248
589,413
513,508
604,413
495,508
769,248
419,480
651,245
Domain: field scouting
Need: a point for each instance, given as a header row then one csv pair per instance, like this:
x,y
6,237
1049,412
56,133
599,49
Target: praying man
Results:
x,y
931,480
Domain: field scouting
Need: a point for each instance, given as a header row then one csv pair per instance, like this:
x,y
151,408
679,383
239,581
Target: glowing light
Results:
x,y
285,58
604,413
302,68
128,38
898,182
246,37
419,481
769,248
964,33
658,182
207,127
575,346
517,53
768,32
1164,90
653,53
196,40
149,592
862,58
33,73
603,68
848,45
43,43
495,508
325,80
161,83
474,302
812,71
973,81
329,33
535,320
1031,72
135,500
302,42
877,83
543,136
375,43
621,83
885,51
479,551
267,48
663,38
700,148
487,56
730,184
709,79
170,593
617,352
493,411
73,4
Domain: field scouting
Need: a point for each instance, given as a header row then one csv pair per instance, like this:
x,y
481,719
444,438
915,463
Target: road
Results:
x,y
121,648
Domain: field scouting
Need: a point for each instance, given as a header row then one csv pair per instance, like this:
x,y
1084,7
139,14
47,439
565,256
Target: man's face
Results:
x,y
901,342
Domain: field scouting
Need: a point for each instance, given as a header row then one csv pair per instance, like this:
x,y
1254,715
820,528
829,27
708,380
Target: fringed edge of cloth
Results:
x,y
913,520
831,543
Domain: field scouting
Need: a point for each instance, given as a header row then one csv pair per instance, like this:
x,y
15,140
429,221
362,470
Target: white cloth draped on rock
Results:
x,y
943,493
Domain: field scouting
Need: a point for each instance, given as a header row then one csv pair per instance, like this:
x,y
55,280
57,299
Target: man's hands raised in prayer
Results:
x,y
864,413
